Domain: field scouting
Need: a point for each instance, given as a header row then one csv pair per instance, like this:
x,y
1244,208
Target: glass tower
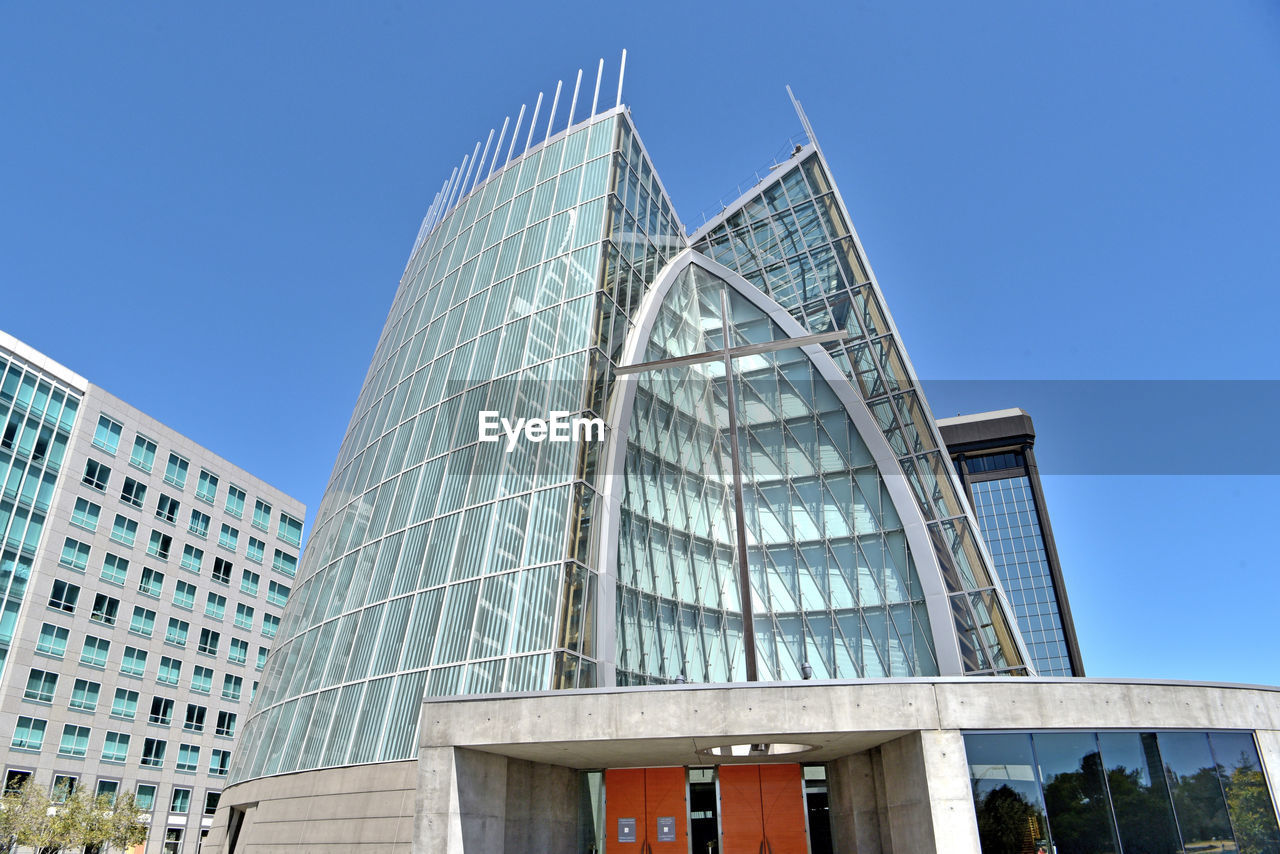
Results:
x,y
762,429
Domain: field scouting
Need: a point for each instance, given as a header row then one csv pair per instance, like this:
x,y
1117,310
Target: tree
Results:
x,y
29,818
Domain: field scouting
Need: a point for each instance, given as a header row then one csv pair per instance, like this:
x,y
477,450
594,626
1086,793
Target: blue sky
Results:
x,y
206,212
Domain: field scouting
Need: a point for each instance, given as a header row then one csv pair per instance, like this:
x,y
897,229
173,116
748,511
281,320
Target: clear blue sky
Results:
x,y
206,211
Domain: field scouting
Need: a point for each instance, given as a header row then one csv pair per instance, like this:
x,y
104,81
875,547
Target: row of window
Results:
x,y
42,685
95,651
29,734
87,514
115,570
65,784
143,456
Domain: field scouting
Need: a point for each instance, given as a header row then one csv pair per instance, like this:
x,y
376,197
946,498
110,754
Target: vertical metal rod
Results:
x,y
533,122
483,155
454,196
595,99
474,154
574,103
448,191
622,72
515,133
497,149
739,515
555,104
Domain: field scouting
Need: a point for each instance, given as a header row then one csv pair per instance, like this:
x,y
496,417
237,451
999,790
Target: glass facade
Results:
x,y
38,414
441,564
1010,523
1137,792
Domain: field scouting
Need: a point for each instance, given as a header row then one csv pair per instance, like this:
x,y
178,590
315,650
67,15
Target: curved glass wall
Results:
x,y
833,584
790,237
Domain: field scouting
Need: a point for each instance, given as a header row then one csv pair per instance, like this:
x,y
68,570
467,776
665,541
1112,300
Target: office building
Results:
x,y
713,585
143,578
994,456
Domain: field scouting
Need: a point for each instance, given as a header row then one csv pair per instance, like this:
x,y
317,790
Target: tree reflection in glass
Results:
x,y
1075,793
1139,793
1253,819
1006,794
1197,792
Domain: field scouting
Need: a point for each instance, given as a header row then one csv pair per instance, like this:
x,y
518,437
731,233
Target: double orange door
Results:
x,y
761,809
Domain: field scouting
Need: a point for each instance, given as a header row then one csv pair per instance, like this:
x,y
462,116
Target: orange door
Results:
x,y
762,809
645,811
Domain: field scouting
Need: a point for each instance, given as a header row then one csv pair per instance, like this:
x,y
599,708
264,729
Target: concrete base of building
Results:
x,y
499,773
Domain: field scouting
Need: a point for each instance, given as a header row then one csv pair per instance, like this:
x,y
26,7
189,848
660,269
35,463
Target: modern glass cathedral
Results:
x,y
766,441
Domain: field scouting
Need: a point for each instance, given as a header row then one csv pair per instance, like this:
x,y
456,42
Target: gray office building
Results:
x,y
141,583
993,454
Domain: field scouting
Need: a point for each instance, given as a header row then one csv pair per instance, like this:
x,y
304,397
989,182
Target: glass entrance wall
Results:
x,y
833,582
790,238
1131,792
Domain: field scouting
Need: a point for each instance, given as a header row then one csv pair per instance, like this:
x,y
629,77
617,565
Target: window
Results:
x,y
170,670
28,734
285,563
211,802
256,550
75,554
105,609
262,657
144,453
161,711
75,741
125,704
84,695
63,786
153,755
107,436
221,570
235,501
270,625
94,652
238,652
176,471
13,780
181,800
261,515
249,582
207,488
167,508
143,622
215,606
53,640
134,662
41,686
159,545
151,583
115,748
277,593
86,514
124,530
172,840
96,475
195,718
208,642
134,493
202,680
63,596
229,538
244,616
290,529
231,686
219,762
184,595
226,724
108,788
199,524
191,558
115,569
176,633
145,799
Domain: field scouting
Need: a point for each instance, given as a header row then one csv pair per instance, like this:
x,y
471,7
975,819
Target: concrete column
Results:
x,y
854,804
542,808
927,793
1269,753
461,802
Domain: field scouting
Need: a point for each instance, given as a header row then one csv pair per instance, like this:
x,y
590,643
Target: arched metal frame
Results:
x,y
937,604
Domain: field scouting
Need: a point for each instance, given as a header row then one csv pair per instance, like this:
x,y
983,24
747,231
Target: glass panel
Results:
x,y
1139,793
1006,794
1075,793
1198,799
1249,805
